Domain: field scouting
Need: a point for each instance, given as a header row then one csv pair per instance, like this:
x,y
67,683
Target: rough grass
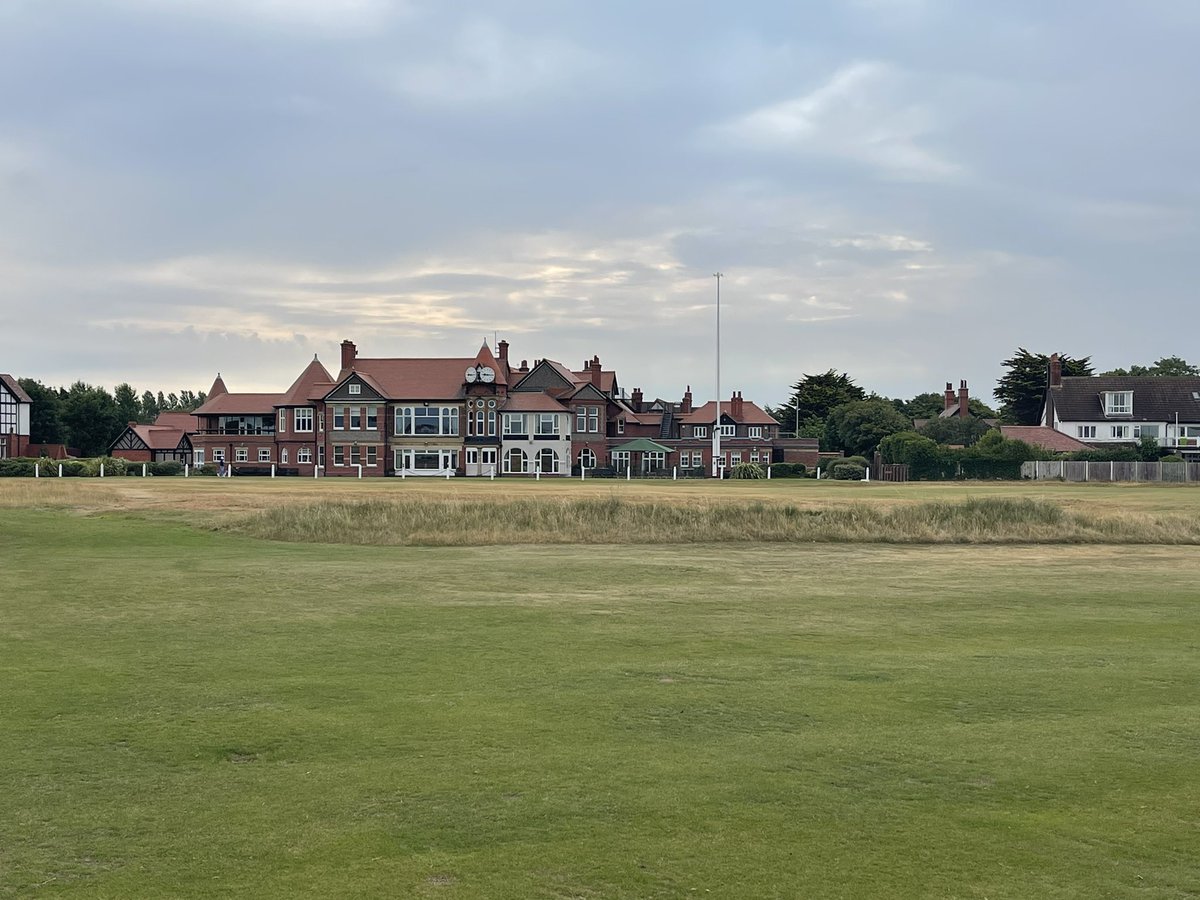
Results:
x,y
433,522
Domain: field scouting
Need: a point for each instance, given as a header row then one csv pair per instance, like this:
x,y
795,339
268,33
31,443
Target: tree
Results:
x,y
859,426
127,403
1168,366
1022,390
924,406
924,458
955,430
92,418
45,415
816,396
149,407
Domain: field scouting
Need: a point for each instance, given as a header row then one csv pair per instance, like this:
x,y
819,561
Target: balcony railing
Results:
x,y
244,430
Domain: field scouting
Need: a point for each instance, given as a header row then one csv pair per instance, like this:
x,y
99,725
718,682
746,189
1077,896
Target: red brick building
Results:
x,y
477,416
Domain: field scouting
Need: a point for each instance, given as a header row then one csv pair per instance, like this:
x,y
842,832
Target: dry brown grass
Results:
x,y
455,522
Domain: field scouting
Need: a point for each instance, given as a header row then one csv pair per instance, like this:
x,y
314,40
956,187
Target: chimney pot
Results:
x,y
349,354
963,400
1055,370
503,348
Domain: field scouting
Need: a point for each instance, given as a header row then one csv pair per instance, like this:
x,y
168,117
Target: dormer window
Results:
x,y
355,388
1118,403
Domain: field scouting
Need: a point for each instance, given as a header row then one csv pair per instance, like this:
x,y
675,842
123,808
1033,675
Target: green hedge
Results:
x,y
788,470
848,471
23,467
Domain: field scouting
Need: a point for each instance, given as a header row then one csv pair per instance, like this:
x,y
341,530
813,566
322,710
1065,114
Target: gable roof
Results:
x,y
485,357
15,389
752,414
413,379
642,445
184,421
1043,436
531,401
1155,398
313,383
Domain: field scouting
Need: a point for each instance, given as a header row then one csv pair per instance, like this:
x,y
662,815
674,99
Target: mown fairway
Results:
x,y
187,711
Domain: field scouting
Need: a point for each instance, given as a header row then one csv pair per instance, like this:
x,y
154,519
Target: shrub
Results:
x,y
166,467
748,470
848,471
857,460
17,467
91,467
1113,454
788,470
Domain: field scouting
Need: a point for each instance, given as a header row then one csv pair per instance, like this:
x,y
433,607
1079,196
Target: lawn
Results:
x,y
189,711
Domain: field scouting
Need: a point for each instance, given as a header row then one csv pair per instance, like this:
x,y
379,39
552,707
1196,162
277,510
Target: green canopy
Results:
x,y
642,445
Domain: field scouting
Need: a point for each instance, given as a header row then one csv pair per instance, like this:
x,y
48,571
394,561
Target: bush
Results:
x,y
848,471
90,468
166,467
788,470
17,467
748,470
857,460
1114,454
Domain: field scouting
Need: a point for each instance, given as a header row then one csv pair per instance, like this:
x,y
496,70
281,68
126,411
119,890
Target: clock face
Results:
x,y
487,374
491,404
471,374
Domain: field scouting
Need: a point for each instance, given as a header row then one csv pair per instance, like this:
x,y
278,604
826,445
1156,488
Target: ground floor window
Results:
x,y
547,461
241,454
283,456
735,457
198,457
587,459
620,460
321,456
515,461
355,455
426,460
264,454
697,459
339,455
372,456
304,456
653,460
218,455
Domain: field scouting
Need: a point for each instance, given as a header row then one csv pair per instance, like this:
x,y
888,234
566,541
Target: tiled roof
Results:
x,y
607,379
1044,437
15,389
485,357
532,401
751,414
414,379
240,404
1155,399
314,382
184,421
159,437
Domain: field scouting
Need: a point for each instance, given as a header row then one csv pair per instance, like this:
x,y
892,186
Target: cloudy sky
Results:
x,y
907,190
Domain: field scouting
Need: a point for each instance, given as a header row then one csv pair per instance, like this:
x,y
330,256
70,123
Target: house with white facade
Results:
x,y
1108,410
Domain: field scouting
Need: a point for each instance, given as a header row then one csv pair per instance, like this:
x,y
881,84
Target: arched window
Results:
x,y
547,461
283,456
587,458
514,461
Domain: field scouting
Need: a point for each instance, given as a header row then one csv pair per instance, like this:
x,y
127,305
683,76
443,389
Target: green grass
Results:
x,y
194,712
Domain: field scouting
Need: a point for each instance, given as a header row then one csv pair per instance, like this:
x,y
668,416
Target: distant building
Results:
x,y
1108,410
15,408
167,440
477,416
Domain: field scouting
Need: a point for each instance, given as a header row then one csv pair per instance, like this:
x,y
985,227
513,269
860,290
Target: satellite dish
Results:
x,y
487,375
471,374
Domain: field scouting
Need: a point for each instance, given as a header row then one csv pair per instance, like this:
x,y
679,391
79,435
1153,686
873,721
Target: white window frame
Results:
x,y
372,417
546,424
218,454
339,418
354,389
264,454
1085,431
282,427
546,453
283,456
620,426
587,458
699,431
728,431
198,457
697,459
304,456
514,424
1120,432
372,457
241,454
339,454
754,432
593,419
1113,408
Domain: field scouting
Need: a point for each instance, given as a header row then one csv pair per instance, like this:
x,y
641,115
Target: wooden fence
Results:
x,y
1064,470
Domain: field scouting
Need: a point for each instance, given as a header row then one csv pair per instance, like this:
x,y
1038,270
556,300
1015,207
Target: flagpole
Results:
x,y
717,426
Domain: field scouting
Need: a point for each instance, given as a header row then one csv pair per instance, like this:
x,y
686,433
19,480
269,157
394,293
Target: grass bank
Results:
x,y
436,522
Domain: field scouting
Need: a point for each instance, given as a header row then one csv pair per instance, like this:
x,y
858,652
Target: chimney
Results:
x,y
596,371
503,348
963,398
349,354
524,366
1055,371
949,402
735,405
636,400
686,406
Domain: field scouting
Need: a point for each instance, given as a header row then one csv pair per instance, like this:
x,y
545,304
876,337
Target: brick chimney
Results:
x,y
503,348
349,354
735,405
963,398
686,406
635,399
595,367
524,366
1055,371
949,400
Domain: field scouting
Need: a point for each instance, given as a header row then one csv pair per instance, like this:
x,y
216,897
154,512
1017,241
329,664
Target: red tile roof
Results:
x,y
240,404
751,414
414,379
15,389
532,401
159,437
312,384
184,421
1044,437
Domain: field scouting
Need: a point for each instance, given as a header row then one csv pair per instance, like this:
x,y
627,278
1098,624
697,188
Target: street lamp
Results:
x,y
717,426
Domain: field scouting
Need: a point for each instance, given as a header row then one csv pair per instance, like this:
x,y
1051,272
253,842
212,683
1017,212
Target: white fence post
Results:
x,y
143,470
628,472
36,470
359,465
818,473
675,473
185,470
272,470
60,470
768,471
101,470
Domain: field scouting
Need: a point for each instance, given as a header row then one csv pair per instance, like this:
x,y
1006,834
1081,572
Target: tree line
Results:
x,y
831,407
89,418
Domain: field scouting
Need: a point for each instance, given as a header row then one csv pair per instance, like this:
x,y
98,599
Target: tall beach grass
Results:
x,y
450,522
